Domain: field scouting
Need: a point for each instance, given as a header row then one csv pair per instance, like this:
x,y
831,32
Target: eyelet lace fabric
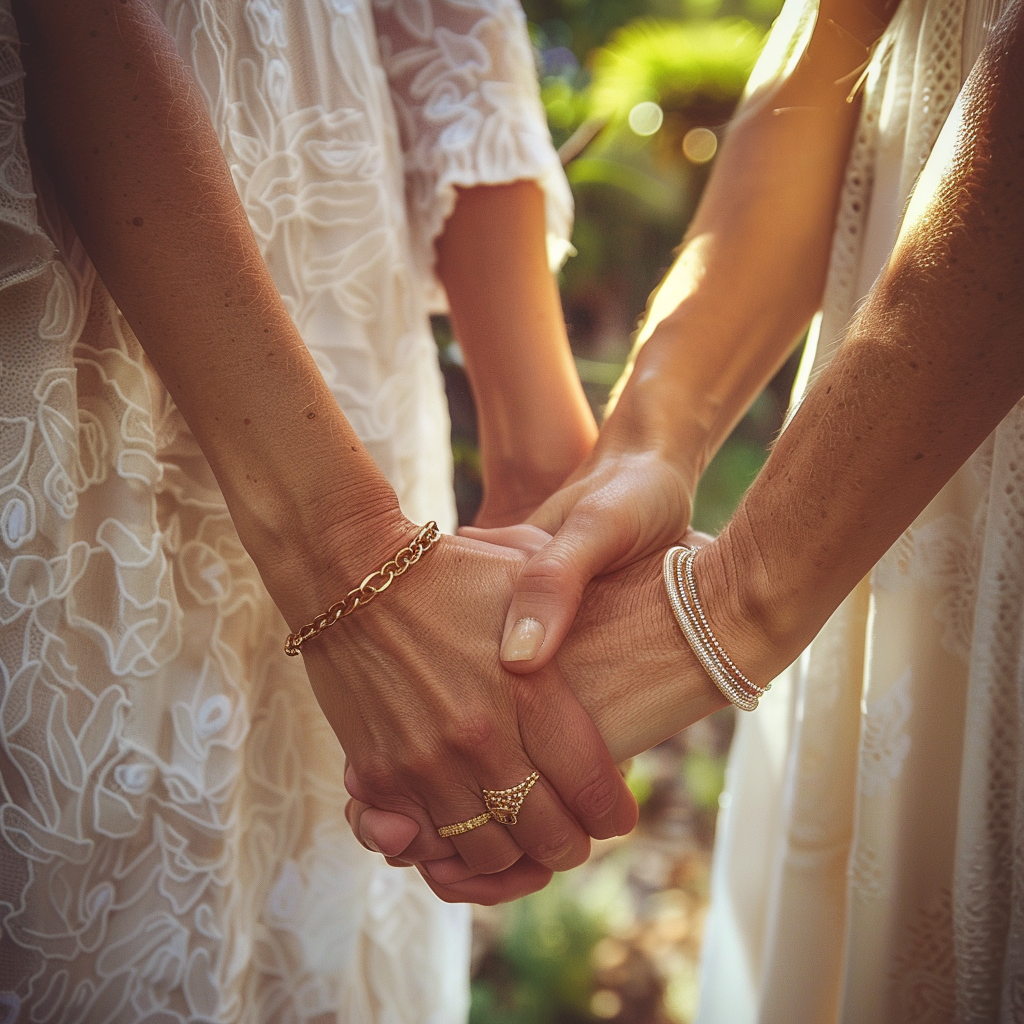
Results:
x,y
870,862
172,840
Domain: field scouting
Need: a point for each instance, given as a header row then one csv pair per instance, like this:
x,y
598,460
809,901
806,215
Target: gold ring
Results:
x,y
464,826
503,804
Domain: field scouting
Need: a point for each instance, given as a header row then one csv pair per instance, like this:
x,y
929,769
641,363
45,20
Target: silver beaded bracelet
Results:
x,y
682,595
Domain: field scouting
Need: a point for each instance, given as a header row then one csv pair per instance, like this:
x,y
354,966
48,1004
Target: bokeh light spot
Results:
x,y
700,145
606,1004
646,118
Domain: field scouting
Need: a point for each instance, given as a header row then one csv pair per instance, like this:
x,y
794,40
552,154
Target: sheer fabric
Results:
x,y
870,857
172,845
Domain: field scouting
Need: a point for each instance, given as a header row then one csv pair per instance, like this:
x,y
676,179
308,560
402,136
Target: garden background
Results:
x,y
637,94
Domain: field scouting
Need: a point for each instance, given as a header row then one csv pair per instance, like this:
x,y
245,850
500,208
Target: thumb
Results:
x,y
550,588
384,832
523,537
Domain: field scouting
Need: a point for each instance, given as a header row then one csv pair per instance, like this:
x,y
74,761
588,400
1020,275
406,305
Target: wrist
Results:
x,y
657,687
522,468
652,413
311,576
757,622
315,527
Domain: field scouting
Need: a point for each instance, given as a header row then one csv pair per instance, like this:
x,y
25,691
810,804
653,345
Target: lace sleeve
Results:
x,y
464,87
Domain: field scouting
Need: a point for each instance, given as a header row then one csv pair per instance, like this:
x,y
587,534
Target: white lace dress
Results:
x,y
870,859
172,845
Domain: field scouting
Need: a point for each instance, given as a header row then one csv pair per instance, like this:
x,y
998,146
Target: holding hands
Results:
x,y
429,719
565,715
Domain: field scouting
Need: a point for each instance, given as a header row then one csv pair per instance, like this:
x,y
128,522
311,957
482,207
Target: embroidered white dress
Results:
x,y
869,867
172,844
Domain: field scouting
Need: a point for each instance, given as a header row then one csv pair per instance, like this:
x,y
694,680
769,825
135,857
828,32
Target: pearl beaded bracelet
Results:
x,y
682,595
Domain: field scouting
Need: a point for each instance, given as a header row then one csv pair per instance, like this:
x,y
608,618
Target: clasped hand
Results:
x,y
428,749
428,718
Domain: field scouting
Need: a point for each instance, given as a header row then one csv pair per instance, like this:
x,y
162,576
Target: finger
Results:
x,y
550,587
386,832
523,537
544,828
524,877
547,832
488,848
383,831
355,788
562,741
448,870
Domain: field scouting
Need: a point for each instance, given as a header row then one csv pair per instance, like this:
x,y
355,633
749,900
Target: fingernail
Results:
x,y
524,641
371,845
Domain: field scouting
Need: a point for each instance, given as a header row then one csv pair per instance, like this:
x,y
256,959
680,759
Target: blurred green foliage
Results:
x,y
679,65
541,973
705,778
634,192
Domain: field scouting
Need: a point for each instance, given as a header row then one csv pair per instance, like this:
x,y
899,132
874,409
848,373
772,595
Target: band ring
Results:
x,y
464,826
502,805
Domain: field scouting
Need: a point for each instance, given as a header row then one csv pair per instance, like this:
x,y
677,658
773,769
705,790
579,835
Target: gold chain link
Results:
x,y
374,584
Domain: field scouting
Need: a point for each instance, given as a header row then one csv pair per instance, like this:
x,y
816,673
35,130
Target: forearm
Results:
x,y
751,272
930,367
123,133
535,424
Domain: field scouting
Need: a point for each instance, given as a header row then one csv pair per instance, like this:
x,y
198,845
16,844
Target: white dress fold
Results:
x,y
869,866
172,842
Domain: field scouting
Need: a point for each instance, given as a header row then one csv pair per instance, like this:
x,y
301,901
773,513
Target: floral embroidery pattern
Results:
x,y
943,553
171,850
885,741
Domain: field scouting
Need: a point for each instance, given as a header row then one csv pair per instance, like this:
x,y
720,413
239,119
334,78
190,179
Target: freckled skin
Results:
x,y
940,340
928,369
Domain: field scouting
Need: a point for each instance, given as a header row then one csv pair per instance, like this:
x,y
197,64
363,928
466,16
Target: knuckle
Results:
x,y
561,849
531,703
493,862
470,732
589,511
550,572
419,761
599,796
378,775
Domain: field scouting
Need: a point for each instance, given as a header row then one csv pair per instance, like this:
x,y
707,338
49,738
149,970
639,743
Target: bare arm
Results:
x,y
751,271
136,162
928,370
421,706
535,425
930,367
747,281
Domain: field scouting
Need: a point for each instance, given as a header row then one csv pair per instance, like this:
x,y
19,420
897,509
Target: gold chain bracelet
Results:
x,y
374,584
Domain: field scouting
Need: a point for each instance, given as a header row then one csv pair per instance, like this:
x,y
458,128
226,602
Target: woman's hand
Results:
x,y
748,278
630,668
629,499
514,490
428,718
